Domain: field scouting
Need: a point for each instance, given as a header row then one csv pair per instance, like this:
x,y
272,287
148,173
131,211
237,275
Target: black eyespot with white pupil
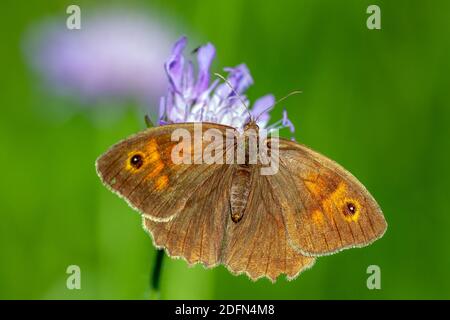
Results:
x,y
351,208
136,161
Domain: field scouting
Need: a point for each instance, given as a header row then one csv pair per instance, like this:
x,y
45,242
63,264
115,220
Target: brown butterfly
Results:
x,y
231,214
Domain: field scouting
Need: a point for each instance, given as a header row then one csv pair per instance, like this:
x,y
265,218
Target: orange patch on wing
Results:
x,y
149,154
339,192
314,184
313,187
161,182
159,166
152,146
152,151
317,217
153,157
335,198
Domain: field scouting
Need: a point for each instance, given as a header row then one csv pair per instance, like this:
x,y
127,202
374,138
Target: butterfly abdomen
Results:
x,y
240,190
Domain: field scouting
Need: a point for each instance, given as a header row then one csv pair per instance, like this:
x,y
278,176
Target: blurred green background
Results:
x,y
376,101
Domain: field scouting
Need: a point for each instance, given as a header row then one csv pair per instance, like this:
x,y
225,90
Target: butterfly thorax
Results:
x,y
242,177
251,125
250,141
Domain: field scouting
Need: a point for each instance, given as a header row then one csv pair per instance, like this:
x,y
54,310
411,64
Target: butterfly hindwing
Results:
x,y
197,234
258,245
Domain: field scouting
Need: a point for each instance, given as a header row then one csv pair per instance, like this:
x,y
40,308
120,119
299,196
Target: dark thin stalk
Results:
x,y
148,122
156,272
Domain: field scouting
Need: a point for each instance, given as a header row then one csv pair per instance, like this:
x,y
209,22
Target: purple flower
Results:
x,y
116,54
193,98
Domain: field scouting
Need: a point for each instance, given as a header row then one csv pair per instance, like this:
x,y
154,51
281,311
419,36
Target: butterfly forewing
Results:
x,y
155,185
325,208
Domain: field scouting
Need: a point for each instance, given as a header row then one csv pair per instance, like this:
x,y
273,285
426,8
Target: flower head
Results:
x,y
193,98
117,53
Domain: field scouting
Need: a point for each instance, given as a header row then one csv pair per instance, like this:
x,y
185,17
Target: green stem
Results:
x,y
156,273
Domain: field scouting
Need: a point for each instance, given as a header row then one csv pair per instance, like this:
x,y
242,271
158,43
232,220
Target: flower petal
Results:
x,y
188,78
179,46
174,66
263,105
162,108
239,78
287,123
205,56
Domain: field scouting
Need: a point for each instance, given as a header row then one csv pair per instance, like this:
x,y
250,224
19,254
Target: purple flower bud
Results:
x,y
116,54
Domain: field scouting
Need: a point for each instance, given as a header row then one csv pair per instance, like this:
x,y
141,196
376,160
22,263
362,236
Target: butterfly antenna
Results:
x,y
235,92
278,101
